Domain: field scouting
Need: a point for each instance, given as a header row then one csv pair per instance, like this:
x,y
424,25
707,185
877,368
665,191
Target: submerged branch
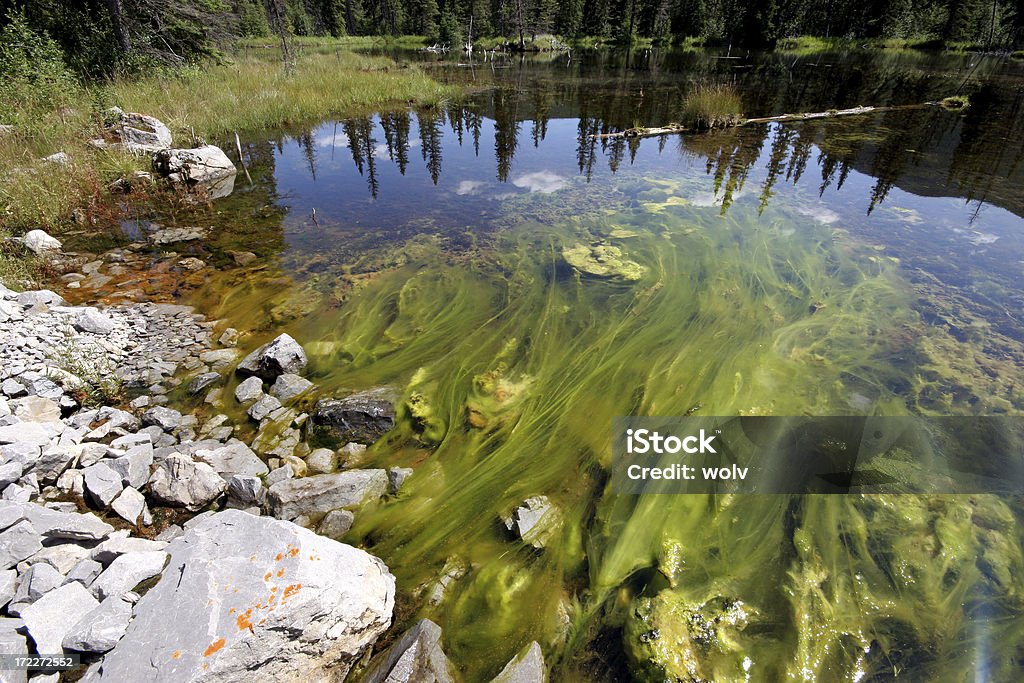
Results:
x,y
678,128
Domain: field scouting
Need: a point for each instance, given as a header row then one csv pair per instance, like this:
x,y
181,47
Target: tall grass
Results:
x,y
712,105
256,92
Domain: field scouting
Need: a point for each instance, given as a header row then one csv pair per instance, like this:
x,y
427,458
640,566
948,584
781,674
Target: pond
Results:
x,y
520,283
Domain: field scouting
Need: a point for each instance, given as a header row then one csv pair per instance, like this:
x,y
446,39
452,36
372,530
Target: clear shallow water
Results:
x,y
867,265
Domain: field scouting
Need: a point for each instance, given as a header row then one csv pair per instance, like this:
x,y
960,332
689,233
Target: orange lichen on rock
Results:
x,y
266,577
294,552
176,654
214,646
291,590
243,620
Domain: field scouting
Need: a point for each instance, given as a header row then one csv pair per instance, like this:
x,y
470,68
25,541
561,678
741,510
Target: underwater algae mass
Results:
x,y
512,353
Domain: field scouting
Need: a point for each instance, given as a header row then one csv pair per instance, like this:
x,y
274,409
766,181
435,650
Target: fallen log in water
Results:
x,y
678,128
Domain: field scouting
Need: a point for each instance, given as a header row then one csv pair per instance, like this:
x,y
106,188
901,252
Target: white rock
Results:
x,y
281,356
112,548
525,667
8,584
85,572
329,604
35,582
63,557
325,492
102,484
322,461
39,242
69,525
128,571
91,320
17,543
249,389
233,458
130,505
49,618
100,629
180,481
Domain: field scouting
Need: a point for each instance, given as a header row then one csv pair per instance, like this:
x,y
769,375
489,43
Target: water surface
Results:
x,y
869,265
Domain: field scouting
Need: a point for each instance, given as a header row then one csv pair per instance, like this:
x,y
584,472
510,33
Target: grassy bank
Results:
x,y
251,90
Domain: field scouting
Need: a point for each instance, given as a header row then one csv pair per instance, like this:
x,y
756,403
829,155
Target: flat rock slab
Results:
x,y
249,598
69,525
233,458
325,492
100,629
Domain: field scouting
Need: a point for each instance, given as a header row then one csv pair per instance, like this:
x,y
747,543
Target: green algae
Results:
x,y
511,361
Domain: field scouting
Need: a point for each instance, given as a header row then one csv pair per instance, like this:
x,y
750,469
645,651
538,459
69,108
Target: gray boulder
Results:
x,y
102,484
288,386
234,457
131,507
417,657
182,482
261,409
17,543
100,629
525,667
91,320
298,607
135,133
12,643
249,390
127,571
336,524
397,477
166,419
322,461
8,585
68,525
202,382
49,618
39,242
322,493
246,489
361,418
281,356
207,166
85,572
37,581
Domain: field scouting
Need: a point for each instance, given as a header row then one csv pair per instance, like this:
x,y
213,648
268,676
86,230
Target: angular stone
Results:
x,y
262,408
128,571
322,461
336,524
39,242
18,542
331,603
417,657
41,296
182,482
85,572
12,643
362,417
397,477
288,386
202,382
25,434
121,543
63,557
50,617
130,506
325,492
246,489
280,474
37,581
36,409
525,667
102,484
8,585
233,458
281,356
10,473
100,629
52,463
134,466
136,133
91,320
219,359
535,521
249,389
166,419
69,525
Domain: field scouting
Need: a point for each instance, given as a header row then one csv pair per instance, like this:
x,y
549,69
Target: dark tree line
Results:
x,y
986,23
104,36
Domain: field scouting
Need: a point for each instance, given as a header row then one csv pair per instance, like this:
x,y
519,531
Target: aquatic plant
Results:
x,y
712,105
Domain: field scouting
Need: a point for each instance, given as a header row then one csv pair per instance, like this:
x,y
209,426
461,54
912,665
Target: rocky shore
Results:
x,y
162,546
